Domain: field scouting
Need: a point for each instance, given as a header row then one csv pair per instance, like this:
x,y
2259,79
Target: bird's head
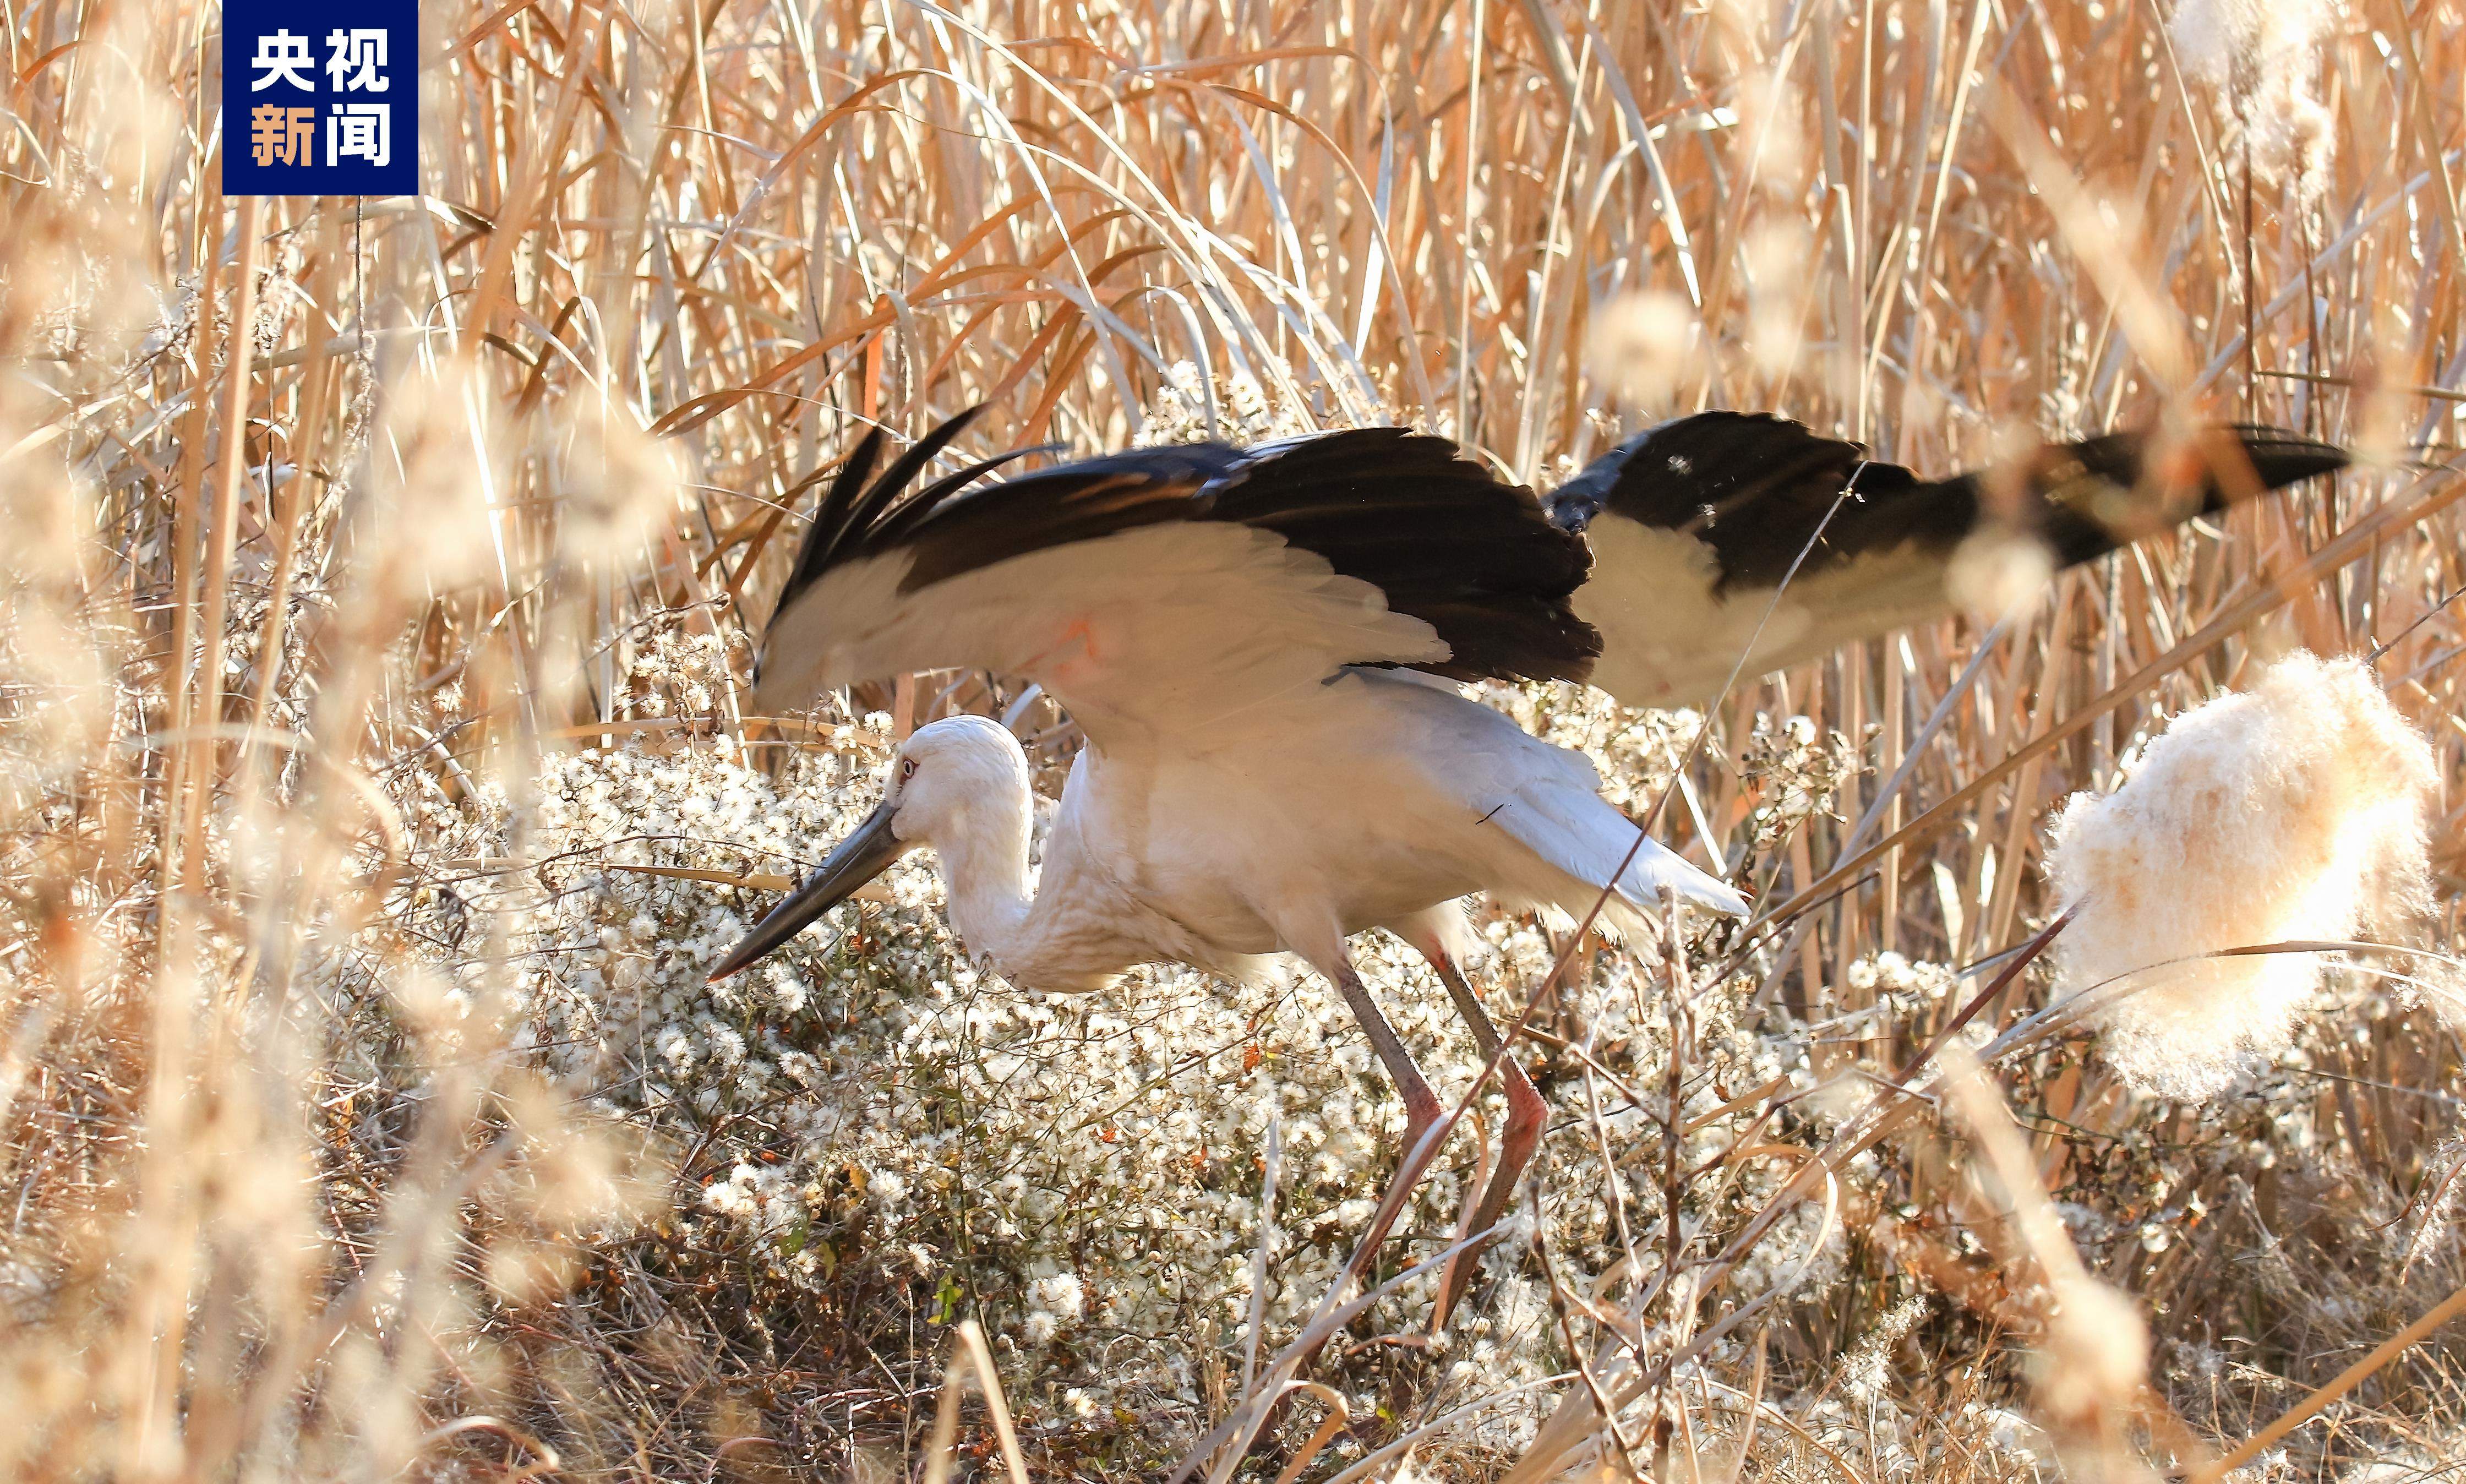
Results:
x,y
953,779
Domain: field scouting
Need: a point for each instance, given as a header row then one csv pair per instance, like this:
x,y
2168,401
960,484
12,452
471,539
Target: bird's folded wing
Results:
x,y
1167,589
1696,526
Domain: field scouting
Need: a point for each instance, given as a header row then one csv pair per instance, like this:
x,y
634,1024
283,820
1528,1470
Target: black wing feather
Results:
x,y
832,518
1477,559
1755,489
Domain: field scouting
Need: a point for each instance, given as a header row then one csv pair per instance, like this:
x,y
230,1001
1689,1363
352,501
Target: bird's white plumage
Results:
x,y
1361,803
1160,631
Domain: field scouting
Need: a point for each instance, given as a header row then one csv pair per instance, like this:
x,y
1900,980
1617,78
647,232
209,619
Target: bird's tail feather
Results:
x,y
1584,840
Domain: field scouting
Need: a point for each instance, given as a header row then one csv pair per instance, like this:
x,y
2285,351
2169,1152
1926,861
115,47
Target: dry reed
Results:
x,y
374,574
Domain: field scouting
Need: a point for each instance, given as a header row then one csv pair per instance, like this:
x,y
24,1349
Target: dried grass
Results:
x,y
338,1141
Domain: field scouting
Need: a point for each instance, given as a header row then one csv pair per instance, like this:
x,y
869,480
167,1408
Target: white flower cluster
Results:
x,y
1054,1302
1875,1431
866,1114
1192,407
676,672
1869,1366
1800,772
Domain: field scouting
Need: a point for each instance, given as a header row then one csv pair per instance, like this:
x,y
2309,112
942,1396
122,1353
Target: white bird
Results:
x,y
1259,776
1257,645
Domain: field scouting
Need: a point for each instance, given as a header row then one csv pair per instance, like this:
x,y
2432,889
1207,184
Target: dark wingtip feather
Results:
x,y
1756,488
896,525
2282,458
904,470
830,519
859,503
2100,494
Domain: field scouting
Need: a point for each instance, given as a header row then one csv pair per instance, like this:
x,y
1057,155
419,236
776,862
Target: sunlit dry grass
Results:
x,y
334,531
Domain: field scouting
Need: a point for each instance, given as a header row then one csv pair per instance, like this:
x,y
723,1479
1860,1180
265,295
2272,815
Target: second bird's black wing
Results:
x,y
1695,524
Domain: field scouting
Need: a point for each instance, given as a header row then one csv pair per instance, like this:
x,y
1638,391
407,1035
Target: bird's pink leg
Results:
x,y
1421,1104
1526,1115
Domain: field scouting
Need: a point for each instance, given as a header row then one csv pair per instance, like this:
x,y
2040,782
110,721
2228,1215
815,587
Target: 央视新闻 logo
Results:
x,y
321,99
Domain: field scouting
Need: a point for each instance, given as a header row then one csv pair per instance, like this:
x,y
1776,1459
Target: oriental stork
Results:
x,y
1259,645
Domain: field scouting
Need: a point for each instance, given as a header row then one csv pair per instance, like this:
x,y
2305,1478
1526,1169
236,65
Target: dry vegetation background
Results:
x,y
377,581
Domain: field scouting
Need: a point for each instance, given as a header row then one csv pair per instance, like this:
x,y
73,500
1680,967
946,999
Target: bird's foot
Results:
x,y
1526,1115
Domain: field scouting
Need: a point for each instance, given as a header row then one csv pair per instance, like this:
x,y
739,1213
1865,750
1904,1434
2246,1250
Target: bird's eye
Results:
x,y
906,768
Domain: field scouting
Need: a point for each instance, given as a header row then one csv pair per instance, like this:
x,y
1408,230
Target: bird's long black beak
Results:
x,y
859,859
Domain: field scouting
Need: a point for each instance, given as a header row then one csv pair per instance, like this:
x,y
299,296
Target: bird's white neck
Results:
x,y
984,877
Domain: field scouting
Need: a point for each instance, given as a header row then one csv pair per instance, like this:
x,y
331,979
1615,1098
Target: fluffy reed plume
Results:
x,y
1641,346
2094,1353
2000,573
2291,812
2264,58
364,1111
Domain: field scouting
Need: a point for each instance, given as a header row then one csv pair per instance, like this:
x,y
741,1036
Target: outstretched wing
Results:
x,y
1162,590
1695,524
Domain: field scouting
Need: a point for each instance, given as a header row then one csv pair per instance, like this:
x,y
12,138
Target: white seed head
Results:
x,y
2264,59
2295,811
2094,1355
1997,572
612,485
1642,346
